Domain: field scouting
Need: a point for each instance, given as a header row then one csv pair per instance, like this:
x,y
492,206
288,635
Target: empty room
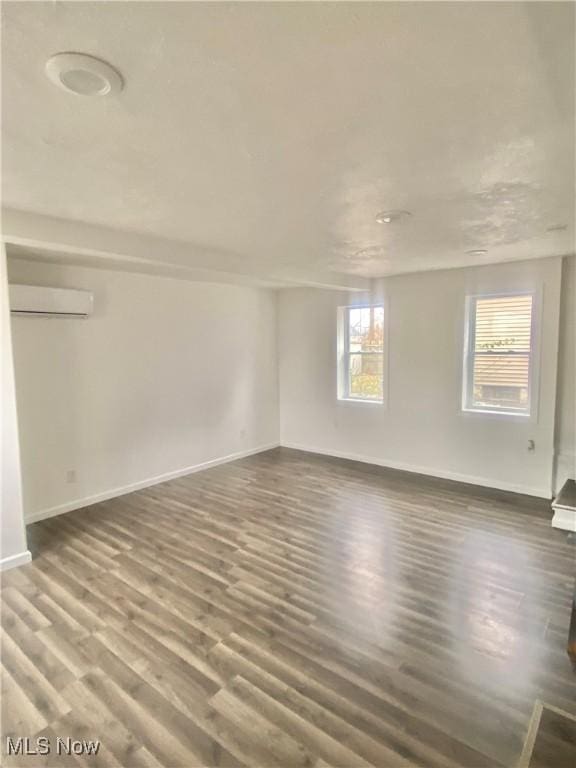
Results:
x,y
288,343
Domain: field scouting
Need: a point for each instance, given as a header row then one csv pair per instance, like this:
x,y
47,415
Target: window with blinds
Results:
x,y
361,356
499,350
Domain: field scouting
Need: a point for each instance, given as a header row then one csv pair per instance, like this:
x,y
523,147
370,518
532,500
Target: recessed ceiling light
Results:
x,y
83,75
477,252
371,252
389,217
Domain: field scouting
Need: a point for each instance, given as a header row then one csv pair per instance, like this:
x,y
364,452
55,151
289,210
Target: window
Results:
x,y
361,354
498,364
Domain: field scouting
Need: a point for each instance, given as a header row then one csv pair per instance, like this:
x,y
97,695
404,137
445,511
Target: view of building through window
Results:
x,y
500,345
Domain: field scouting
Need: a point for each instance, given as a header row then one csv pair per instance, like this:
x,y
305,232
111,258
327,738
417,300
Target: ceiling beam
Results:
x,y
46,237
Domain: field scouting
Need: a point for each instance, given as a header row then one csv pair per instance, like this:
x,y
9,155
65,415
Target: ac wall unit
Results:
x,y
39,301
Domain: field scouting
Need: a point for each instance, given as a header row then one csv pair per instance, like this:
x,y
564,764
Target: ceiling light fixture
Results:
x,y
371,252
83,75
477,252
390,217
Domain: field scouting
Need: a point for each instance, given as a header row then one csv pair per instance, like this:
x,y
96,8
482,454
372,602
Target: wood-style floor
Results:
x,y
291,610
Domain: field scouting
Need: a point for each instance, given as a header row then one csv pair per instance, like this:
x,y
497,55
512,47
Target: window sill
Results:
x,y
360,401
489,412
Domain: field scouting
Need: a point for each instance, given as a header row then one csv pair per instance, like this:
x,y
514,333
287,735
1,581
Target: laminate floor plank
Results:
x,y
296,611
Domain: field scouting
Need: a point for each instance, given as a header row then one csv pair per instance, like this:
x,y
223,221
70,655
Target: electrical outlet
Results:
x,y
71,476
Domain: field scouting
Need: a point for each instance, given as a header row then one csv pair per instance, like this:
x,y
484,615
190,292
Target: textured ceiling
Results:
x,y
267,136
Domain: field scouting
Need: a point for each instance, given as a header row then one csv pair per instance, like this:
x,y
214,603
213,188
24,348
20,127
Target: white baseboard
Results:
x,y
15,560
485,482
565,519
114,492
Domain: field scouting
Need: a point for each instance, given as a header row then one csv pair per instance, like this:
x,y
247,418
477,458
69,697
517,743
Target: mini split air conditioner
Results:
x,y
39,301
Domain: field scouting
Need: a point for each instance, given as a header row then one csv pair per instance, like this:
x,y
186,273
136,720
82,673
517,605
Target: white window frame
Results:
x,y
530,413
343,361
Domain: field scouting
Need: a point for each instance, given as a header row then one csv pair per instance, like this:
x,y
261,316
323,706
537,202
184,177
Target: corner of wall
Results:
x,y
12,531
565,416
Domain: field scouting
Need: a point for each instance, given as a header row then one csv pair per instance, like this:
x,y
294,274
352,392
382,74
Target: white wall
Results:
x,y
13,548
566,403
165,376
422,427
88,390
